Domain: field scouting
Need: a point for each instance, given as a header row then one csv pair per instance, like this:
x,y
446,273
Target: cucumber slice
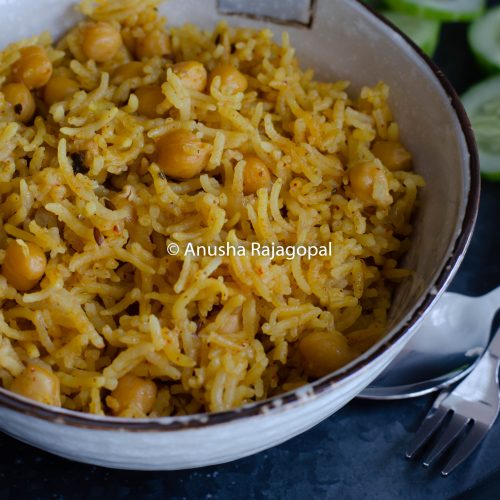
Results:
x,y
443,10
482,103
424,32
484,40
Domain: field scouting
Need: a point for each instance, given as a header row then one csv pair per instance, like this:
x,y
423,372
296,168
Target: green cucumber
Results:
x,y
442,10
424,32
484,39
482,103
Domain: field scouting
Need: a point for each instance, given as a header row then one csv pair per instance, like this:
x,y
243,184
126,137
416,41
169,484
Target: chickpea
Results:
x,y
193,75
38,383
21,99
323,352
59,88
392,154
100,41
369,184
127,71
181,155
134,393
150,96
232,80
24,264
155,43
33,68
255,175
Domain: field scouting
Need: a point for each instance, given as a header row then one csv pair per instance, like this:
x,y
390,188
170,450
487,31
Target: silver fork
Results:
x,y
460,420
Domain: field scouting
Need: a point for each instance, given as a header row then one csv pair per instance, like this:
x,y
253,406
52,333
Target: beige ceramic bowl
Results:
x,y
340,39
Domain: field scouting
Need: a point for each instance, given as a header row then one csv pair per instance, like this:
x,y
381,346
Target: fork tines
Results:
x,y
459,420
441,429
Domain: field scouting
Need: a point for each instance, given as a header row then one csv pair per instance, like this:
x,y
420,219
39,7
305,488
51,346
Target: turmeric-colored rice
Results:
x,y
82,181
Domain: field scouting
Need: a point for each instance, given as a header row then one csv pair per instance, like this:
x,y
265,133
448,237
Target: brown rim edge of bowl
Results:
x,y
448,270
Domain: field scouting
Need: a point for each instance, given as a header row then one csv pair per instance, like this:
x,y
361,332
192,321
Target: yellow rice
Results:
x,y
102,311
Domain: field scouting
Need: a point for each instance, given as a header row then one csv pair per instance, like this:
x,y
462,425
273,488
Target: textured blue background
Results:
x,y
358,453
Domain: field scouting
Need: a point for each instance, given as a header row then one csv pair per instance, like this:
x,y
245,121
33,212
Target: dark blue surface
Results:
x,y
357,453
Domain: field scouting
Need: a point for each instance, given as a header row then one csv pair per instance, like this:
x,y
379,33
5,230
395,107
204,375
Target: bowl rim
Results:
x,y
449,267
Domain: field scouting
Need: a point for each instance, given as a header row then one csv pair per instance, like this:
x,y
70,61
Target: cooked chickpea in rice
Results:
x,y
38,383
256,175
149,97
127,71
59,88
181,155
155,43
392,154
21,99
100,41
323,352
369,183
133,396
192,74
23,264
129,140
231,80
33,67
